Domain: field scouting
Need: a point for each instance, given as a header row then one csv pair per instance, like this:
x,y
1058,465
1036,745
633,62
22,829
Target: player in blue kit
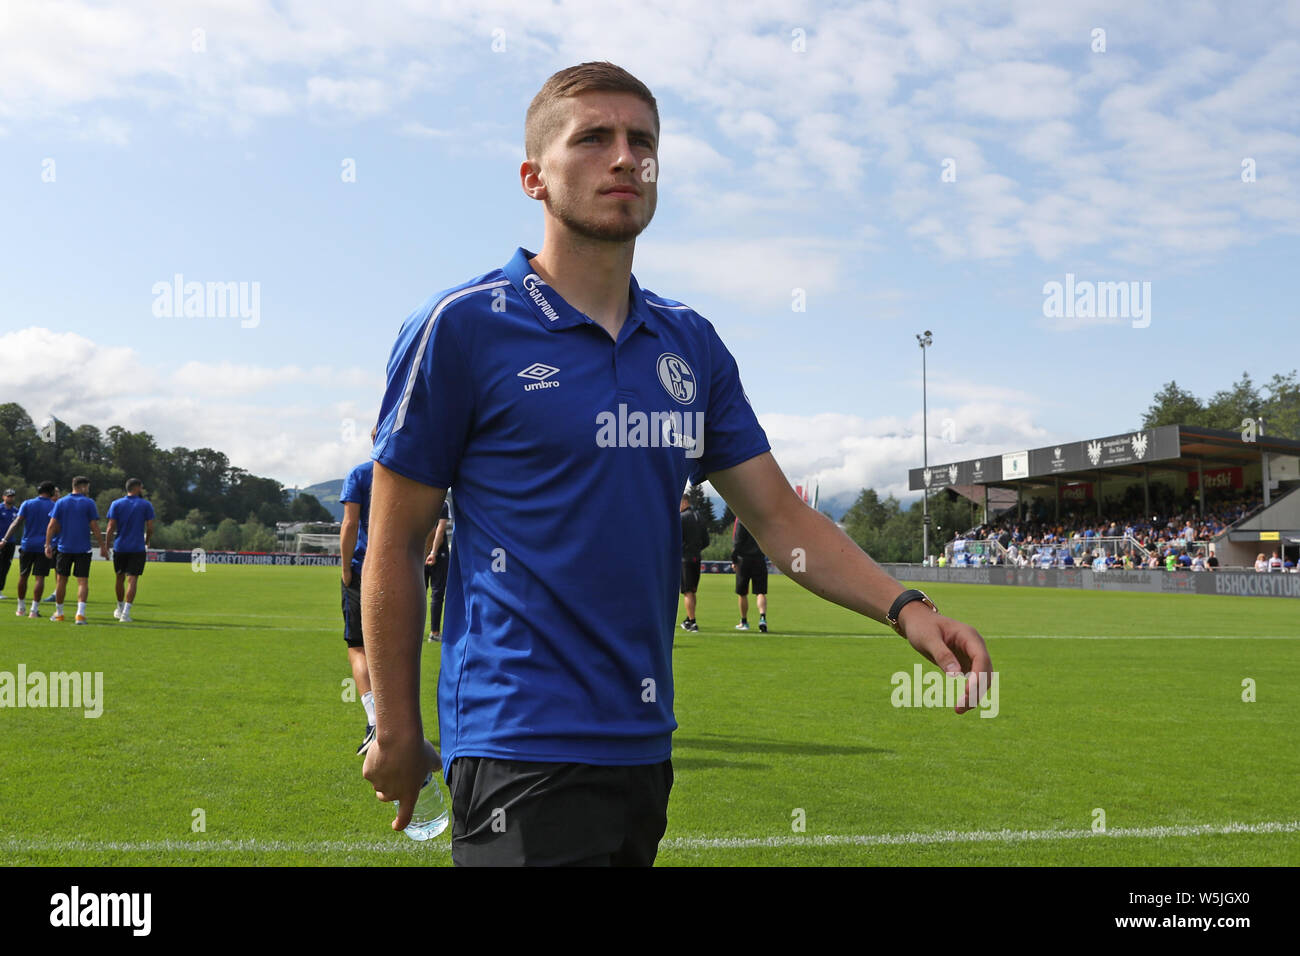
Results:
x,y
355,498
33,517
72,521
8,512
568,407
130,529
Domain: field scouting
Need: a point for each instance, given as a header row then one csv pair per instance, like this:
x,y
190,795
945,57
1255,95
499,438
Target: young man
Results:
x,y
131,520
569,408
695,538
72,521
8,512
750,564
435,570
33,517
355,498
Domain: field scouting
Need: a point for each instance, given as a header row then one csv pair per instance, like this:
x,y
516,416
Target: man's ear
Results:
x,y
531,180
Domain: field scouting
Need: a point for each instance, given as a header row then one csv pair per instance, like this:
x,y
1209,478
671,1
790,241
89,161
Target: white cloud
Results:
x,y
846,453
299,425
761,273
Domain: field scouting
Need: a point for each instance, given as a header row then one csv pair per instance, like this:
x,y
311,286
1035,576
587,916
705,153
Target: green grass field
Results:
x,y
226,693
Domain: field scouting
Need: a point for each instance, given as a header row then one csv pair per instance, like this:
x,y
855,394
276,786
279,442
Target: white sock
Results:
x,y
22,606
58,609
81,608
119,606
126,607
368,702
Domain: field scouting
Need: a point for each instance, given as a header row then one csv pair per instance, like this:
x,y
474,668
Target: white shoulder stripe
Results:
x,y
664,305
418,359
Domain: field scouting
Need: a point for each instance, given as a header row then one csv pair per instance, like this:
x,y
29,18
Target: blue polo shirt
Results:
x,y
356,489
568,453
35,513
74,513
7,516
131,513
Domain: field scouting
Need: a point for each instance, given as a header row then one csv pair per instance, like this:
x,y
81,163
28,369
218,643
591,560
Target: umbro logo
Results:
x,y
540,374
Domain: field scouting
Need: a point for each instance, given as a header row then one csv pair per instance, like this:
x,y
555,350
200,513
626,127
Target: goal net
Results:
x,y
317,543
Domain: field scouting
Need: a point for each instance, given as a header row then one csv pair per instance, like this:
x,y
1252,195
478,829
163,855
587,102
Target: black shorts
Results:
x,y
352,611
520,813
75,565
33,562
690,575
755,570
129,562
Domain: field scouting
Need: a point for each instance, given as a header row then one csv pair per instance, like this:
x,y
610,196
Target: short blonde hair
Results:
x,y
544,119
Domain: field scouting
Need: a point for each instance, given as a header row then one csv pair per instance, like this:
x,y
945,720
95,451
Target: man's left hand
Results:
x,y
954,647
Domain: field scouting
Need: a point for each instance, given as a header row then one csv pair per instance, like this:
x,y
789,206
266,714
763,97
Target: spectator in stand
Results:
x,y
1198,563
1171,560
1275,563
1212,562
1260,564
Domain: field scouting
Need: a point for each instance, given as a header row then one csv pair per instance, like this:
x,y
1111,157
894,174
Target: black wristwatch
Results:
x,y
904,599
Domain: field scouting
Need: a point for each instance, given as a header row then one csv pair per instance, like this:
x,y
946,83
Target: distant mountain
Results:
x,y
327,493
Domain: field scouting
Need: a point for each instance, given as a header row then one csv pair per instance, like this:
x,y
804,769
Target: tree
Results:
x,y
1228,407
1281,409
226,536
254,536
308,508
1173,406
702,504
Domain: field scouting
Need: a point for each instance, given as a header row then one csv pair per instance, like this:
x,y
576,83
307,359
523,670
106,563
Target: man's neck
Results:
x,y
591,276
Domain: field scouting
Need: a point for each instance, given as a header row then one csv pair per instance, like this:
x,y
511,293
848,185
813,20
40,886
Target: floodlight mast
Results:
x,y
924,340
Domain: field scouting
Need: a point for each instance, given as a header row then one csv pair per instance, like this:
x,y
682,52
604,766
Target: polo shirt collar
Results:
x,y
552,312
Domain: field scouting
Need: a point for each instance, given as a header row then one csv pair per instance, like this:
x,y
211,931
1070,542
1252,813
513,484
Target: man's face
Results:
x,y
9,500
597,180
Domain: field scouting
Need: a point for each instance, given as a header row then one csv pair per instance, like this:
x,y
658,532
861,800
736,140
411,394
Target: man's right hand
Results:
x,y
347,575
397,767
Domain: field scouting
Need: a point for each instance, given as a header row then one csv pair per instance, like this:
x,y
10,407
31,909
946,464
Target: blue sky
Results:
x,y
803,147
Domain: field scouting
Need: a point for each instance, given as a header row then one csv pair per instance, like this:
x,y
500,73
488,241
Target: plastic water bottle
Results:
x,y
430,816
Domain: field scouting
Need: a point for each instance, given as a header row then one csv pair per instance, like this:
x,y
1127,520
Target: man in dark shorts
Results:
x,y
435,570
750,565
33,517
73,520
695,538
8,512
130,519
355,498
569,407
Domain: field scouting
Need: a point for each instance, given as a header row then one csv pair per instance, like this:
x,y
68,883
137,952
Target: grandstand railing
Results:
x,y
968,552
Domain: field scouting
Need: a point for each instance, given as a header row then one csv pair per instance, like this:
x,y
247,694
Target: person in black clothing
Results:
x,y
750,564
435,570
695,538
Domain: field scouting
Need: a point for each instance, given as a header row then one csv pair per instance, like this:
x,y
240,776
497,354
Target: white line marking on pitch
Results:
x,y
975,836
1089,637
20,845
